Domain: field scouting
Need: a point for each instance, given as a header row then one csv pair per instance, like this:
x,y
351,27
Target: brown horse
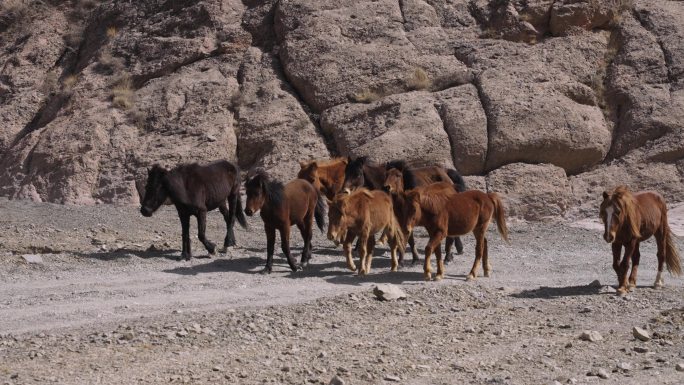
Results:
x,y
362,214
296,203
451,214
194,190
401,178
326,175
630,219
362,172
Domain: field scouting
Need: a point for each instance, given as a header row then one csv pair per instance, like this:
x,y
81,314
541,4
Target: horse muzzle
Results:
x,y
145,211
609,237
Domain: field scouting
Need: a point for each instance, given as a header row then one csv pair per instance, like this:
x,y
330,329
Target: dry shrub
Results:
x,y
69,82
110,63
366,96
123,95
50,83
419,80
111,32
12,12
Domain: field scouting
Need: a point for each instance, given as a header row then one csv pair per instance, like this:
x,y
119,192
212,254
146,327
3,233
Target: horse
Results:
x,y
401,178
363,213
451,214
362,172
281,206
326,175
195,189
629,219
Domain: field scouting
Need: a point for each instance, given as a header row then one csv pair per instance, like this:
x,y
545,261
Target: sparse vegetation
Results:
x,y
366,96
111,32
620,7
69,82
137,117
419,80
11,12
50,83
123,95
109,63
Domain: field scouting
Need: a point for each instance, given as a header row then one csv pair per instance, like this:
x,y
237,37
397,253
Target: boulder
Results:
x,y
532,192
388,292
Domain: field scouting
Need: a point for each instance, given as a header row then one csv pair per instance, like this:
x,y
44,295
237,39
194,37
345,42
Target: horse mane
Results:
x,y
408,176
273,189
625,200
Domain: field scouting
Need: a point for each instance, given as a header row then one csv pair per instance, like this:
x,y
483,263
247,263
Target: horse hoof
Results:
x,y
470,278
658,286
223,250
621,292
265,271
439,277
427,276
487,274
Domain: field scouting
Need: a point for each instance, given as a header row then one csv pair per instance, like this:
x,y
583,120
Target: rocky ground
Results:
x,y
108,303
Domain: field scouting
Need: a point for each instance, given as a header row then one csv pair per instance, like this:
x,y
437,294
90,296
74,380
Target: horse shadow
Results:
x,y
127,253
242,265
546,292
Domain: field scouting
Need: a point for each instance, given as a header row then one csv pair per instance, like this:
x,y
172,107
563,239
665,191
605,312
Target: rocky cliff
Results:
x,y
547,101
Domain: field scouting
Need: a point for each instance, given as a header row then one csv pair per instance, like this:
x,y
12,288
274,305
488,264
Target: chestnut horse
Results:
x,y
401,178
451,214
194,190
363,213
629,219
326,175
296,203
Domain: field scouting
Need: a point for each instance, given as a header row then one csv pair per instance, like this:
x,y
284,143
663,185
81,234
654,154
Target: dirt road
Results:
x,y
109,303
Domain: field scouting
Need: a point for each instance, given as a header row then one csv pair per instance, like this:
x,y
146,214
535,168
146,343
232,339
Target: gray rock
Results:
x,y
641,349
640,334
626,366
392,378
388,292
32,258
591,335
336,380
680,367
595,283
603,373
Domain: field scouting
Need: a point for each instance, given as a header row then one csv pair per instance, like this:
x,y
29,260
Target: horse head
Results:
x,y
353,174
337,218
256,187
155,190
617,210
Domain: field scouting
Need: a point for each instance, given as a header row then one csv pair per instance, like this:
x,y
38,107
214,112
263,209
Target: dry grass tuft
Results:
x,y
69,82
111,32
419,80
366,96
123,95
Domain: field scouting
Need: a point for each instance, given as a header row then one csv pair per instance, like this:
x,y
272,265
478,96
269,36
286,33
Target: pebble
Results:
x,y
624,366
392,378
640,334
336,380
181,333
595,283
680,367
586,310
217,369
603,374
388,292
32,258
640,349
591,335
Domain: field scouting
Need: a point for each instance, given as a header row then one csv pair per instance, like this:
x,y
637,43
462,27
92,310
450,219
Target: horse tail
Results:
x,y
237,201
239,213
499,215
457,179
671,255
319,212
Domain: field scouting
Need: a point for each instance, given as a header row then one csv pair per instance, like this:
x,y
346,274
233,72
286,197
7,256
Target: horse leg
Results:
x,y
624,267
479,251
394,246
448,257
229,240
285,245
635,266
185,226
414,251
459,245
363,252
660,242
349,240
369,252
485,260
440,262
270,248
307,233
201,232
435,241
617,250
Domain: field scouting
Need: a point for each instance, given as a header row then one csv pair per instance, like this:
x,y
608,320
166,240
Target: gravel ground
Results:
x,y
109,303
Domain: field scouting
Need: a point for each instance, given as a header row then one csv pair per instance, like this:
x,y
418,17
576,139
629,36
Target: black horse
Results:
x,y
195,189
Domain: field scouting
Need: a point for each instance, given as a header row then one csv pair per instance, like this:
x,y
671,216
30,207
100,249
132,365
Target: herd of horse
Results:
x,y
366,200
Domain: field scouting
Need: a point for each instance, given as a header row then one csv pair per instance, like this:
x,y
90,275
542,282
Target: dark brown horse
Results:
x,y
326,175
362,214
195,189
362,172
402,178
630,219
450,214
296,203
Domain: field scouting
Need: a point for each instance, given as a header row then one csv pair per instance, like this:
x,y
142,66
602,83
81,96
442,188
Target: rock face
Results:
x,y
569,96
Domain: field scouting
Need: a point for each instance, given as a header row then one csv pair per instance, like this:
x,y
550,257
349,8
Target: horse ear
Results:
x,y
303,164
605,195
362,159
